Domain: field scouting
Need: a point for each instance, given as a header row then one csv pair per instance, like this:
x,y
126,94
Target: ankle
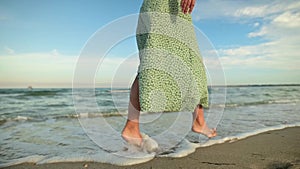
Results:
x,y
199,114
132,125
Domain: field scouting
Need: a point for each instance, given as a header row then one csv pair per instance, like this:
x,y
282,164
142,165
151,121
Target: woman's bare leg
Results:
x,y
131,132
199,124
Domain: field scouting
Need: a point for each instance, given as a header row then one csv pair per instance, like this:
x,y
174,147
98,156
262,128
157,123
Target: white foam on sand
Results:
x,y
103,158
29,159
128,155
183,149
120,153
246,135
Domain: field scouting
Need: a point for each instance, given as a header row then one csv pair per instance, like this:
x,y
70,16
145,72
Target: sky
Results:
x,y
40,40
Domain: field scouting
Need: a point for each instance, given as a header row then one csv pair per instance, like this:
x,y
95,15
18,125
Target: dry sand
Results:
x,y
278,149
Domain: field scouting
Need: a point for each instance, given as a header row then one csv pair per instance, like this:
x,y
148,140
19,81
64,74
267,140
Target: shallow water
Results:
x,y
43,125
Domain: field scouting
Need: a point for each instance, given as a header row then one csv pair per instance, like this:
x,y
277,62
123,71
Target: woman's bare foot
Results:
x,y
199,124
131,133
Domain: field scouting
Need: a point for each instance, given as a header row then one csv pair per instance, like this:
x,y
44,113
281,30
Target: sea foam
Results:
x,y
130,155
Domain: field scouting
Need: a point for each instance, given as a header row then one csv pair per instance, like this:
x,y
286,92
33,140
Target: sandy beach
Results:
x,y
272,150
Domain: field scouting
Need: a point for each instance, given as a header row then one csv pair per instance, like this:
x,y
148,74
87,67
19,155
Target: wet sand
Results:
x,y
278,149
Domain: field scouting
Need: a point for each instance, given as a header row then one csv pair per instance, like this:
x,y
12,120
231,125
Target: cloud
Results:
x,y
35,69
256,24
288,19
54,68
117,71
280,54
261,32
276,29
268,9
8,50
276,22
214,9
239,10
269,56
282,26
280,51
253,11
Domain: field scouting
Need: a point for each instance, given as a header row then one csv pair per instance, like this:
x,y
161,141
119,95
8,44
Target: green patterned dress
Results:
x,y
171,73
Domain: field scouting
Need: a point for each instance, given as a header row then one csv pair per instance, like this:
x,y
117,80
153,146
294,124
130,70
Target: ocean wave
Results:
x,y
111,112
109,92
262,102
11,91
41,93
4,119
95,115
60,105
120,91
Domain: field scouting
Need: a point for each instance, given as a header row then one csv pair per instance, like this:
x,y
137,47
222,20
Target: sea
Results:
x,y
47,125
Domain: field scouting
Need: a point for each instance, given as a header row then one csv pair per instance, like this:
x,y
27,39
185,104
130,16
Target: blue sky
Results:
x,y
257,41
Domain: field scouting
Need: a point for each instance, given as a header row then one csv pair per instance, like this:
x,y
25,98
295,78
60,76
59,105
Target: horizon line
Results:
x,y
123,87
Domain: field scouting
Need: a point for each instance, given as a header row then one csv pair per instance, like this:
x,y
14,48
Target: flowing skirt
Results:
x,y
171,73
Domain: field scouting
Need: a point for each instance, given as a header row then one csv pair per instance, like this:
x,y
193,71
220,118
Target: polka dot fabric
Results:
x,y
171,73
